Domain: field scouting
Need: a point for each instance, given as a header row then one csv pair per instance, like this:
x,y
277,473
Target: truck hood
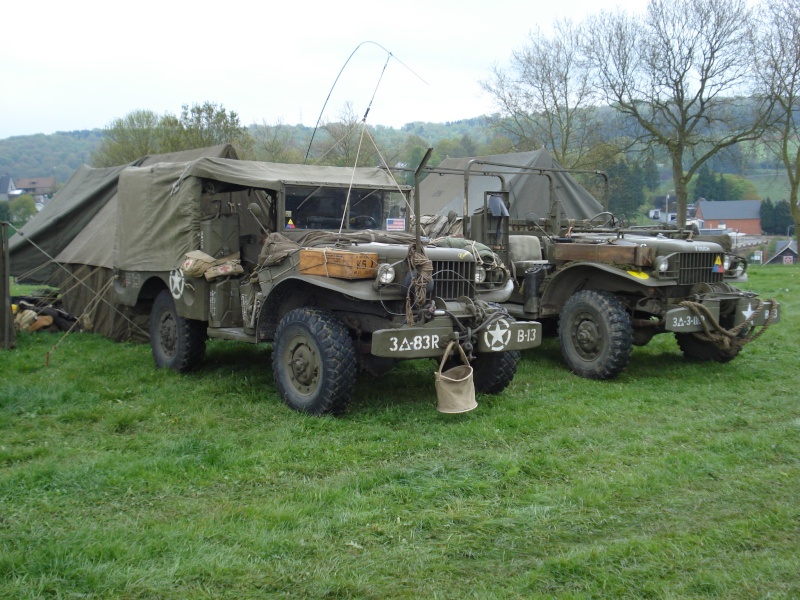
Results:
x,y
662,245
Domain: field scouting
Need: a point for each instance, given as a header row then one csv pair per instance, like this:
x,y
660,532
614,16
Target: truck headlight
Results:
x,y
385,274
661,264
726,262
480,274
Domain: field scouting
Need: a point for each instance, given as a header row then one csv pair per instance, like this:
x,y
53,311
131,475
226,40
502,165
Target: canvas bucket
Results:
x,y
455,391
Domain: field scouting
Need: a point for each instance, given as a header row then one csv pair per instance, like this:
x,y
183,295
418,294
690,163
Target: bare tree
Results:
x,y
347,144
779,66
275,143
682,73
545,97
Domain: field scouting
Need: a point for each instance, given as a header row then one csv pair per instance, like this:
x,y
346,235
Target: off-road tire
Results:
x,y
492,372
700,350
177,343
376,366
595,334
314,362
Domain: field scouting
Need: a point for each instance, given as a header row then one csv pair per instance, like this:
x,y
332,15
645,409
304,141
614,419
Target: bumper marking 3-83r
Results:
x,y
422,342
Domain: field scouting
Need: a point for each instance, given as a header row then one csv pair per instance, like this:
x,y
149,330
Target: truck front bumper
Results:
x,y
431,339
688,319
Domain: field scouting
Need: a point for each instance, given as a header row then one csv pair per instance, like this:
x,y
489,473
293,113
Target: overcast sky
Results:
x,y
81,64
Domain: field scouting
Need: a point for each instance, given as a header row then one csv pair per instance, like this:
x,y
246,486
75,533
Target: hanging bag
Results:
x,y
455,391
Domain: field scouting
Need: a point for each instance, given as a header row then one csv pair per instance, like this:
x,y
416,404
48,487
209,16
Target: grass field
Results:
x,y
677,480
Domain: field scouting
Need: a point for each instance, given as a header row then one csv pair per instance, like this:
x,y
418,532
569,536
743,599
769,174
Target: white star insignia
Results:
x,y
497,337
176,283
749,312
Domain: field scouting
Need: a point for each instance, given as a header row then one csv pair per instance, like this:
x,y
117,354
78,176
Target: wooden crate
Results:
x,y
342,264
607,253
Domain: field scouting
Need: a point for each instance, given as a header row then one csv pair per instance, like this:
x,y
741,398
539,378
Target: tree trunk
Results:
x,y
793,191
681,188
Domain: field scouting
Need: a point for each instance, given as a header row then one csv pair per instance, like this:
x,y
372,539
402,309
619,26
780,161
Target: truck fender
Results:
x,y
566,281
295,292
361,289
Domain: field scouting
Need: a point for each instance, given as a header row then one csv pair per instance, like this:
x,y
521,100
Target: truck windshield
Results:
x,y
324,208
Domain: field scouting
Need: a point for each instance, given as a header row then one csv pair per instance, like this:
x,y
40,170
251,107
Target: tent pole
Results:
x,y
5,288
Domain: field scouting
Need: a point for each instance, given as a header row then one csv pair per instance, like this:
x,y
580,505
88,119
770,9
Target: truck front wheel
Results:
x,y
177,343
702,350
493,371
595,334
313,361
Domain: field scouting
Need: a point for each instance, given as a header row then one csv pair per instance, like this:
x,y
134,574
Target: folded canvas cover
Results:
x,y
529,191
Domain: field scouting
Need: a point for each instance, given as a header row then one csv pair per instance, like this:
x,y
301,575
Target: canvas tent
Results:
x,y
528,189
71,242
65,216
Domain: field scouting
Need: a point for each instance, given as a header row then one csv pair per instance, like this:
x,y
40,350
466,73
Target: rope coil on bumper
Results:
x,y
736,337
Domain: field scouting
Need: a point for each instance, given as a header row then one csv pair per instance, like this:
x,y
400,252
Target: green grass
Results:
x,y
676,480
17,289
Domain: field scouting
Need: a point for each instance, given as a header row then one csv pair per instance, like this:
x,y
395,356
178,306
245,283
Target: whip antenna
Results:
x,y
321,112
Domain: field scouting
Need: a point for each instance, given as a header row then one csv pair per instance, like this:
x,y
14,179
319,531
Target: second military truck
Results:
x,y
606,285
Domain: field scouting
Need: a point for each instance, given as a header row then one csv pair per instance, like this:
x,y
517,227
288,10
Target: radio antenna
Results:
x,y
390,56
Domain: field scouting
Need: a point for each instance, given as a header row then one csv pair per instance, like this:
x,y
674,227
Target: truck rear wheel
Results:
x,y
313,361
177,343
492,372
595,334
701,350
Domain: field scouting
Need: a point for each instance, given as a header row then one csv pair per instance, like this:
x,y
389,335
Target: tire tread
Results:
x,y
492,373
618,353
191,343
337,355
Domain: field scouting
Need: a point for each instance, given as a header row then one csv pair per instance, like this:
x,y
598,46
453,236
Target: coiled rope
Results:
x,y
421,269
734,339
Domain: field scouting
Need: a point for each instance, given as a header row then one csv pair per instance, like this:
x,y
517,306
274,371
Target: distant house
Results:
x,y
6,187
37,186
743,216
786,254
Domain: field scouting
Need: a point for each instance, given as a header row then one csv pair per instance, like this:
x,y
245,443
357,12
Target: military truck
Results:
x,y
607,286
318,261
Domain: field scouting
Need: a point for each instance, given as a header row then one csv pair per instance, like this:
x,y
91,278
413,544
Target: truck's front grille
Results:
x,y
698,267
453,278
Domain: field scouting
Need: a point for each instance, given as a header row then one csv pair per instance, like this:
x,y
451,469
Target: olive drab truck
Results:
x,y
607,286
318,261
